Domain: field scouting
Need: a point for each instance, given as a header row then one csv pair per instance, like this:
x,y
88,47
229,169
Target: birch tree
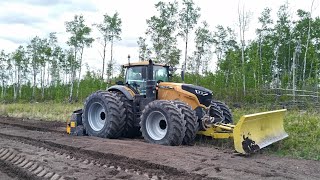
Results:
x,y
110,29
3,72
307,43
18,57
144,50
113,24
33,50
161,30
202,54
243,20
79,39
263,32
188,18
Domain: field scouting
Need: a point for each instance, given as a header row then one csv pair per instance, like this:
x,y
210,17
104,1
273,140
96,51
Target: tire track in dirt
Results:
x,y
11,171
33,158
119,163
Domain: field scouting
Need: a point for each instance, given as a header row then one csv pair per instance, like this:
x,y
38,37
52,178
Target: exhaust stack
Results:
x,y
151,83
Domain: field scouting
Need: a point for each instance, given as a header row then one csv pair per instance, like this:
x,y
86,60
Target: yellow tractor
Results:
x,y
170,113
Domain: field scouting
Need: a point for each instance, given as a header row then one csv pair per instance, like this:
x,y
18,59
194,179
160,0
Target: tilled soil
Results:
x,y
73,157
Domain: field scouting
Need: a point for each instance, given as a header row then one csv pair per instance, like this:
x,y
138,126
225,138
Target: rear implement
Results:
x,y
253,132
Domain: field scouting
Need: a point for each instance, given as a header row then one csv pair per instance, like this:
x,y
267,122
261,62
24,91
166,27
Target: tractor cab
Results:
x,y
136,75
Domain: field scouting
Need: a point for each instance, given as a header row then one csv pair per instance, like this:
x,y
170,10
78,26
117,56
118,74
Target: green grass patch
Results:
x,y
303,127
304,136
44,111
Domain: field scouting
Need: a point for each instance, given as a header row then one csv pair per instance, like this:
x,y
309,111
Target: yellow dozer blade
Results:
x,y
256,131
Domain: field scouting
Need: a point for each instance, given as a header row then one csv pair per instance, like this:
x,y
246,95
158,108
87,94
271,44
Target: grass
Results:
x,y
44,111
304,136
303,127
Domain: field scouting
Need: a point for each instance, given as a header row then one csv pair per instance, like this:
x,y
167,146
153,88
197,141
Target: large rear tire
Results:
x,y
191,122
103,115
163,123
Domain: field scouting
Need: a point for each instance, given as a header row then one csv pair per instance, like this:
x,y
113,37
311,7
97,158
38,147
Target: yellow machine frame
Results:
x,y
252,132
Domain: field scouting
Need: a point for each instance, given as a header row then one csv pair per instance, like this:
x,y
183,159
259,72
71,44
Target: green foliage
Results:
x,y
144,50
161,30
188,17
79,33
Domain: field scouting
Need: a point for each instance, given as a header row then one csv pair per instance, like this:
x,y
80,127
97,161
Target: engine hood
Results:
x,y
196,89
203,95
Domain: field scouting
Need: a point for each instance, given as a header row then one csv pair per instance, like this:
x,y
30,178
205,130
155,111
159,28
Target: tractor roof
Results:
x,y
142,63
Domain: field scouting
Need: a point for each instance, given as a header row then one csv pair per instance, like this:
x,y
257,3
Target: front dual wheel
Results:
x,y
168,123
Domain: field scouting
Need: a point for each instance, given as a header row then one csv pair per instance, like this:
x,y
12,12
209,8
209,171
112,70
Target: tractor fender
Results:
x,y
125,90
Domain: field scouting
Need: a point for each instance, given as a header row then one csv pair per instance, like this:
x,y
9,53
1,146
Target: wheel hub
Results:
x,y
156,125
96,116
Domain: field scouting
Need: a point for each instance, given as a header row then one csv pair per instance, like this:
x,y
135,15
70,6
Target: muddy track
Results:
x,y
57,165
84,157
135,159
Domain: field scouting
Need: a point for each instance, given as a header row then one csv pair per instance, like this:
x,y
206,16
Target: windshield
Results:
x,y
137,76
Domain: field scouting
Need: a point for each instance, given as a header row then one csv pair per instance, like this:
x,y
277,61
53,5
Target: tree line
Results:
x,y
43,70
285,53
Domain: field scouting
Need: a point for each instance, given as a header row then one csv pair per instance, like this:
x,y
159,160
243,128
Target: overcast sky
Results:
x,y
21,20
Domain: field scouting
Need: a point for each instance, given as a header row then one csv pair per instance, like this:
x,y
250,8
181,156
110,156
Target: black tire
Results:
x,y
132,125
112,115
216,112
191,122
226,112
171,123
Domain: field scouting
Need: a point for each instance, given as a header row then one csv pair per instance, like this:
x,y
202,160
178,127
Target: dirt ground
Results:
x,y
72,157
4,175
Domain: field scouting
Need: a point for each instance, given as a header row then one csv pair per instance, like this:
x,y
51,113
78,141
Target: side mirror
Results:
x,y
172,69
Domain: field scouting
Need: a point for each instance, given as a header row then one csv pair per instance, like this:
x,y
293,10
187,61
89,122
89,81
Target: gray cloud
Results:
x,y
76,7
20,18
58,7
16,40
41,2
55,8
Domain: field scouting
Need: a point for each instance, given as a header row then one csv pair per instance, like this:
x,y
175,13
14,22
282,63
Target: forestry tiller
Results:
x,y
170,113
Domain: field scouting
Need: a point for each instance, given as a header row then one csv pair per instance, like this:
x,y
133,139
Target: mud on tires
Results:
x,y
103,115
191,122
163,123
